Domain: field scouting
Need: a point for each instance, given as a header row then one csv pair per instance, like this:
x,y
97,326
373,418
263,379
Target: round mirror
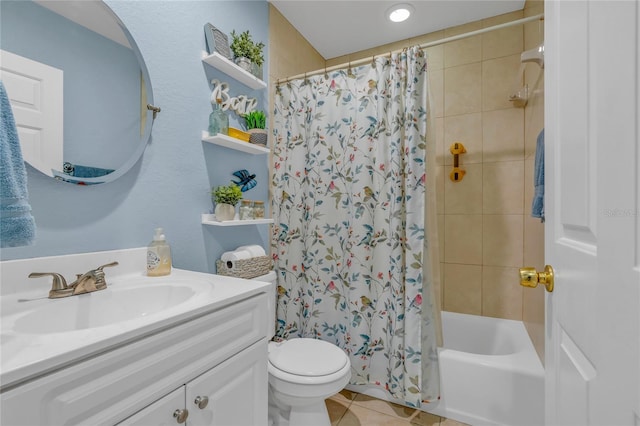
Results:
x,y
78,87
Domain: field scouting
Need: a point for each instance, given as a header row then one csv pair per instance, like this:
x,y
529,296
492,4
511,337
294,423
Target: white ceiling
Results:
x,y
340,27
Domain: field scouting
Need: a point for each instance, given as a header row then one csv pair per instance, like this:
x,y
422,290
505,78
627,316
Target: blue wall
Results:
x,y
170,186
100,77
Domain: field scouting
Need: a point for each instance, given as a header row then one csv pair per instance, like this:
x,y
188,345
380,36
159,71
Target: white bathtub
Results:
x,y
490,373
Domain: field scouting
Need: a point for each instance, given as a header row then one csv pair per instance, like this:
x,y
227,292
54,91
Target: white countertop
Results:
x,y
28,355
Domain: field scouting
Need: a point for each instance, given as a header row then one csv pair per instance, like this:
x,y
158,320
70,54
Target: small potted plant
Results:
x,y
256,122
226,198
245,51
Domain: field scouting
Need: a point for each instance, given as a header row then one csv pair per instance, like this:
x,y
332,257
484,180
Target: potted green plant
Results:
x,y
245,51
226,197
255,122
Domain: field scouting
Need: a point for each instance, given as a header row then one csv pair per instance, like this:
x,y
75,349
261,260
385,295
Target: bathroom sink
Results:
x,y
127,300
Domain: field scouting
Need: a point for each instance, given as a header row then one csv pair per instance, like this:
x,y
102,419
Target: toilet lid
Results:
x,y
307,357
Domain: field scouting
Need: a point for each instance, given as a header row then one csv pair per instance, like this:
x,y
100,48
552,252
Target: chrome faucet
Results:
x,y
88,282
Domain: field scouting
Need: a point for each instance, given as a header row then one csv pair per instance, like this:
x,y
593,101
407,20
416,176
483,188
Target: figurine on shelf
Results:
x,y
218,119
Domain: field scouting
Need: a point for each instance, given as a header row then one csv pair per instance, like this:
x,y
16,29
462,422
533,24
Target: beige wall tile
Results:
x,y
503,135
533,242
465,196
465,128
464,51
442,286
533,33
502,187
463,292
463,239
438,128
533,7
436,92
502,240
528,184
499,81
464,28
501,293
441,241
501,19
504,42
337,60
463,89
438,136
426,38
440,189
534,116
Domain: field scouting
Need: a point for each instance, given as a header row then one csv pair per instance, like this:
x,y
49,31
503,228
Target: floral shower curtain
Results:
x,y
349,208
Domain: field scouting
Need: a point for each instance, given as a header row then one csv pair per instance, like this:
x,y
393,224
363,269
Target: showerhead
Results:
x,y
534,55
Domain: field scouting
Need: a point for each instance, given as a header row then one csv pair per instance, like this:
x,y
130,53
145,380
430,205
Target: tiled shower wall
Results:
x,y
484,224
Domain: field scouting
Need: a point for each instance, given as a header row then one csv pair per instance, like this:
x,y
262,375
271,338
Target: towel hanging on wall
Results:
x,y
17,226
537,205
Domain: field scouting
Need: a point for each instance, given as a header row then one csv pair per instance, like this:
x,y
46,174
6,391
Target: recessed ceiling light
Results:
x,y
400,12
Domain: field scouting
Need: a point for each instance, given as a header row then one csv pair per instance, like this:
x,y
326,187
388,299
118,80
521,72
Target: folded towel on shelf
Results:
x,y
17,226
77,170
537,205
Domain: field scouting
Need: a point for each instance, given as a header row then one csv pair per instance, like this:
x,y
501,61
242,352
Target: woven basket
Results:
x,y
245,268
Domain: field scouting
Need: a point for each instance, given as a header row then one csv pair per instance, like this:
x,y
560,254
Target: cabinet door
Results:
x,y
160,413
236,391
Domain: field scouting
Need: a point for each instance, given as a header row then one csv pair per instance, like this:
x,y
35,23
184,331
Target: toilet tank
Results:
x,y
271,301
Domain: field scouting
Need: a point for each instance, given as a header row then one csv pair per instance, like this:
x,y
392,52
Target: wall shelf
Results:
x,y
221,63
210,219
233,143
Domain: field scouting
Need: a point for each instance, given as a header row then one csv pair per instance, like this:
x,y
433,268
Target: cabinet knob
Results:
x,y
181,415
201,401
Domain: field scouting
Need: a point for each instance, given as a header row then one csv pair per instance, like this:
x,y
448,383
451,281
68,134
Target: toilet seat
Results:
x,y
307,357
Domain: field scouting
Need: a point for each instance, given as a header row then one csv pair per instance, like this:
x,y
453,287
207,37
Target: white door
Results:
x,y
36,95
592,205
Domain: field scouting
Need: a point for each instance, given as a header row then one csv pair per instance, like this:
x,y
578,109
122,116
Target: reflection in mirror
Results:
x,y
78,86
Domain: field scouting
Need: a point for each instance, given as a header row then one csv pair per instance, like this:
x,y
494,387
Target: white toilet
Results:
x,y
302,374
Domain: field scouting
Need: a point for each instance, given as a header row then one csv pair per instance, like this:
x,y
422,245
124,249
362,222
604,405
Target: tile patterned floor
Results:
x,y
353,409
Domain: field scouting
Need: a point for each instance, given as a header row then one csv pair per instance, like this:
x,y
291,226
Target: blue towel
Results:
x,y
17,227
537,205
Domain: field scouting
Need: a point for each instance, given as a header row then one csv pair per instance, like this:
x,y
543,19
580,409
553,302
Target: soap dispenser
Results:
x,y
158,255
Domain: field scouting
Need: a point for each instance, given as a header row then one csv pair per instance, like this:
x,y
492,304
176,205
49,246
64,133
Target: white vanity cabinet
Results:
x,y
232,394
220,354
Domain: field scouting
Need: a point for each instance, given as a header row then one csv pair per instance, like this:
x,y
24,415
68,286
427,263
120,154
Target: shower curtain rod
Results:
x,y
422,46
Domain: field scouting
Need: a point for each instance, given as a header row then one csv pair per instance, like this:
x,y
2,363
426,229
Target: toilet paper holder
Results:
x,y
457,173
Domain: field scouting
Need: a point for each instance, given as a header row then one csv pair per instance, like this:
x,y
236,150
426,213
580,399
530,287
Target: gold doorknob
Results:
x,y
529,277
